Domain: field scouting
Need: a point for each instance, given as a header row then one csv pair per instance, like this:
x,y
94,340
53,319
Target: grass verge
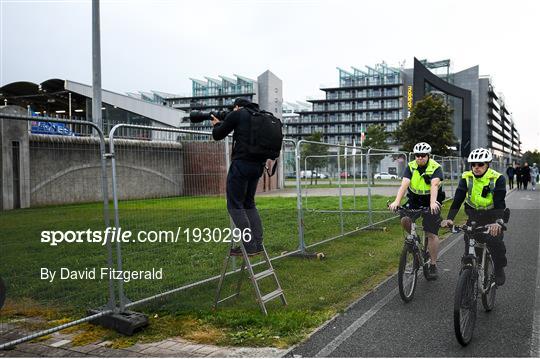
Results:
x,y
315,290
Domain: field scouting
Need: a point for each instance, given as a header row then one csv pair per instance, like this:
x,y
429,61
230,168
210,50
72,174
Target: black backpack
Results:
x,y
266,136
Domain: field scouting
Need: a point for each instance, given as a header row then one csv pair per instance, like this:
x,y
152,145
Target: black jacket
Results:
x,y
239,122
510,172
526,173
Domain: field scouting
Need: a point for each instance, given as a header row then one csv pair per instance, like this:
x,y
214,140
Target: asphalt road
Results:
x,y
381,325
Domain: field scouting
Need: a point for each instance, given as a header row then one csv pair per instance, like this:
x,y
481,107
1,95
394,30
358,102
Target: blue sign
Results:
x,y
51,128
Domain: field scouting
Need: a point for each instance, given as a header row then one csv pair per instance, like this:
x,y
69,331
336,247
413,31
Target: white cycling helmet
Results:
x,y
480,155
422,147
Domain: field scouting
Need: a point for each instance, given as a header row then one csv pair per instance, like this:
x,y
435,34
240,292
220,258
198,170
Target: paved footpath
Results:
x,y
381,325
59,345
334,191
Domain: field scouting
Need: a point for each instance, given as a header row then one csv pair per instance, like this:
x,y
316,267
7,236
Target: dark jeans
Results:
x,y
511,182
242,182
495,245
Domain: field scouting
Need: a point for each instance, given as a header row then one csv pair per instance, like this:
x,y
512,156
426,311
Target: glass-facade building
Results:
x,y
361,98
384,95
214,95
218,94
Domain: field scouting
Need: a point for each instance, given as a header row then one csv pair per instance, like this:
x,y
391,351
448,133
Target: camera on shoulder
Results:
x,y
197,115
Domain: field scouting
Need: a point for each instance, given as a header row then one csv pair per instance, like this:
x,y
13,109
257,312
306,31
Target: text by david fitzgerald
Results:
x,y
103,273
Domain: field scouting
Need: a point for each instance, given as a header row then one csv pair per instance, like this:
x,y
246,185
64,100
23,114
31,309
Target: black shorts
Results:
x,y
430,222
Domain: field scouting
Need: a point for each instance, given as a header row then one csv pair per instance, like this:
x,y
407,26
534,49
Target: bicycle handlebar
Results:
x,y
420,209
473,228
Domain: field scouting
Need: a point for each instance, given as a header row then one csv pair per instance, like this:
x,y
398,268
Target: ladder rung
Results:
x,y
263,274
229,297
271,295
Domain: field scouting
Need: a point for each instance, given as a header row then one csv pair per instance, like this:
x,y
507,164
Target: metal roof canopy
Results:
x,y
53,95
159,113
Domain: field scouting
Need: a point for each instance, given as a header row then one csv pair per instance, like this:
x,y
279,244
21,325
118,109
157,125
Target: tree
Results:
x,y
430,121
531,157
313,149
376,137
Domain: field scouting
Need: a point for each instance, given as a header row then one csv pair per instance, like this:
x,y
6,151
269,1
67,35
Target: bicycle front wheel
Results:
x,y
427,262
407,274
465,304
489,289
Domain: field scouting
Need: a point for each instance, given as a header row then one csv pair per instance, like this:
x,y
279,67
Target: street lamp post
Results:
x,y
96,66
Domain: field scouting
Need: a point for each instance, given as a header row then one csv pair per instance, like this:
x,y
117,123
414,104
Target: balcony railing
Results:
x,y
494,114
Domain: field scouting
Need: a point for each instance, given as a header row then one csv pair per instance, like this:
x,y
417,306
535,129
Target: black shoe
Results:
x,y
500,277
433,273
237,251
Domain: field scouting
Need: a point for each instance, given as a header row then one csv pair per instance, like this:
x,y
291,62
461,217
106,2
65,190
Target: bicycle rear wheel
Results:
x,y
465,304
407,273
489,287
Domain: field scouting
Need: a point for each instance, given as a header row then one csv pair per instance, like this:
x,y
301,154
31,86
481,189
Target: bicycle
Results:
x,y
413,255
476,275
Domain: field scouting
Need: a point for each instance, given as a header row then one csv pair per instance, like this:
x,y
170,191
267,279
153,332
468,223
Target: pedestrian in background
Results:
x,y
525,175
518,176
510,172
534,176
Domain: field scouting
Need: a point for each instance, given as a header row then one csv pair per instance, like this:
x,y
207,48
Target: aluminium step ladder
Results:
x,y
254,277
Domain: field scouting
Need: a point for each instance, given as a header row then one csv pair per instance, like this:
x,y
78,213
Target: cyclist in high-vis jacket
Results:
x,y
483,190
422,182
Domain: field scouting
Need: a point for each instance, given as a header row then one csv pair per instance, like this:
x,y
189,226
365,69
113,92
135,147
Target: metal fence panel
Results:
x,y
173,185
54,205
335,196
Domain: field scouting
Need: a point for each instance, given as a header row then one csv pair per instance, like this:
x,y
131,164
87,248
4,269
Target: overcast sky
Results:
x,y
159,45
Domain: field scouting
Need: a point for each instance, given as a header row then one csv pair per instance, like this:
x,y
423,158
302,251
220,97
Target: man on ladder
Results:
x,y
257,137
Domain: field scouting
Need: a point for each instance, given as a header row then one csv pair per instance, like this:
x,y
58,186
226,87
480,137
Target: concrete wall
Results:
x,y
61,170
68,170
14,190
64,170
149,169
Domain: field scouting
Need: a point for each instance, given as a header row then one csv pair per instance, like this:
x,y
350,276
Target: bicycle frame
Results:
x,y
478,267
418,245
414,256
